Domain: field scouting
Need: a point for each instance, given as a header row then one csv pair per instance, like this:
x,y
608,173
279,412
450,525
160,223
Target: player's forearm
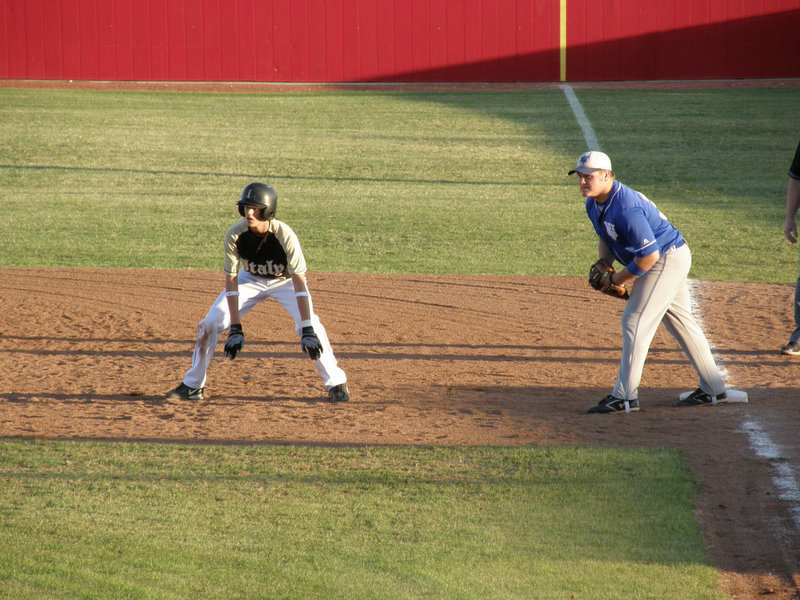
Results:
x,y
232,296
642,265
603,252
792,204
792,199
302,296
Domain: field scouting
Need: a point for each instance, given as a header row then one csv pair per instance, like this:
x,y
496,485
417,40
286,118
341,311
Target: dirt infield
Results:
x,y
88,354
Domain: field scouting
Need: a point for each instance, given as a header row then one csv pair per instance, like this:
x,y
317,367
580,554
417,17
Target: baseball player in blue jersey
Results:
x,y
263,260
656,259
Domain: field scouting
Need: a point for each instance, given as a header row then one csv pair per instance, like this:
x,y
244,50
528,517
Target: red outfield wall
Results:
x,y
398,40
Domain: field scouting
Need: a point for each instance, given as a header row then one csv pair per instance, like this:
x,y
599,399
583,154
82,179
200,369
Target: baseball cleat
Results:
x,y
611,404
791,349
701,398
184,392
339,393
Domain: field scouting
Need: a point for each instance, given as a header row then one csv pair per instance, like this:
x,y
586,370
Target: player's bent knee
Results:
x,y
206,327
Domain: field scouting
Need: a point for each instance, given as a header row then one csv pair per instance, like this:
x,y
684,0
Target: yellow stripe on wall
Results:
x,y
563,40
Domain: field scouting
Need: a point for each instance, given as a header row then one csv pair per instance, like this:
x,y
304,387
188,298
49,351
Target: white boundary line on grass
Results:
x,y
783,474
581,118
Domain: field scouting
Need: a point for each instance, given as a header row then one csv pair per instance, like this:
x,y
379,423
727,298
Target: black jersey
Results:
x,y
277,254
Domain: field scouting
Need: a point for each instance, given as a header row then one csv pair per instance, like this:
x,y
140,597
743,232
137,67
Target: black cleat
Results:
x,y
611,404
701,398
791,349
184,392
339,393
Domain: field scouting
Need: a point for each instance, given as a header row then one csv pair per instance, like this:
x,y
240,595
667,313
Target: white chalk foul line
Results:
x,y
581,118
784,477
696,290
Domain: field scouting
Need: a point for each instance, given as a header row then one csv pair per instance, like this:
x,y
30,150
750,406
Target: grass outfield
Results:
x,y
407,182
99,520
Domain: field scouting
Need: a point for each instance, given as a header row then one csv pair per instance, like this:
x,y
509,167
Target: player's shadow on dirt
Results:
x,y
282,349
135,397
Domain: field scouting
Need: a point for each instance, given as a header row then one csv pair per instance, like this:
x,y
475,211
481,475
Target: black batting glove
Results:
x,y
234,342
310,343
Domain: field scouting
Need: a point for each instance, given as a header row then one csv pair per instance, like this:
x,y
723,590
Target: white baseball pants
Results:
x,y
252,290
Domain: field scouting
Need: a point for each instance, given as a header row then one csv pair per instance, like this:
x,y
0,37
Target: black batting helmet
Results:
x,y
259,195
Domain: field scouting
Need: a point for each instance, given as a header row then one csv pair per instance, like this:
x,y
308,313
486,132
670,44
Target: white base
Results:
x,y
734,395
737,396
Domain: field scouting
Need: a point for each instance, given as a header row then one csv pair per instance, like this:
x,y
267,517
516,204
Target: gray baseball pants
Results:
x,y
662,296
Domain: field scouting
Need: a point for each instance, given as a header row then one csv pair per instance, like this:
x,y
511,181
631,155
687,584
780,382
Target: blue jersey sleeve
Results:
x,y
637,232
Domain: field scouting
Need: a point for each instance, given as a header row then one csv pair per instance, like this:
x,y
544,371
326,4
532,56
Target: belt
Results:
x,y
680,244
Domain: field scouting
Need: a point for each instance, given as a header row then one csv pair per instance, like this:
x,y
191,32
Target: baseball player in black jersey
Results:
x,y
790,231
263,260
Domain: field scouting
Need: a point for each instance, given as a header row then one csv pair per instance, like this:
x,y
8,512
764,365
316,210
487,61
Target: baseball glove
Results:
x,y
600,279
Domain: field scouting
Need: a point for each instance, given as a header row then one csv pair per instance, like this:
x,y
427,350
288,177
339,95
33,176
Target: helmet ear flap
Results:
x,y
241,209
